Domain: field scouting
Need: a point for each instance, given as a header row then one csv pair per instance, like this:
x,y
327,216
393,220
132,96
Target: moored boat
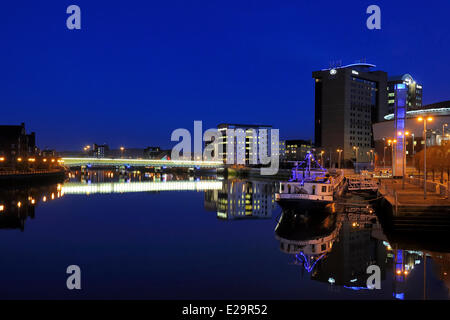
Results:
x,y
310,185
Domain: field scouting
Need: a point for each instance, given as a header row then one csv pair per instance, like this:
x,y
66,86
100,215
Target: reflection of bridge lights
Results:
x,y
121,187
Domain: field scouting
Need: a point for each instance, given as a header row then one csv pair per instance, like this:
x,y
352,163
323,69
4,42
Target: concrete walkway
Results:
x,y
412,194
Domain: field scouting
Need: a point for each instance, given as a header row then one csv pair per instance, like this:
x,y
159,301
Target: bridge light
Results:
x,y
2,159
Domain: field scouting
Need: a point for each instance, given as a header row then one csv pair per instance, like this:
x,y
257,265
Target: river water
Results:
x,y
165,236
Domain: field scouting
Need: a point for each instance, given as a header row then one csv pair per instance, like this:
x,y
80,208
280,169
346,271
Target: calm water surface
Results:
x,y
146,236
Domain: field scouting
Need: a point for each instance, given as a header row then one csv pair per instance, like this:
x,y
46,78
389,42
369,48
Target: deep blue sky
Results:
x,y
140,69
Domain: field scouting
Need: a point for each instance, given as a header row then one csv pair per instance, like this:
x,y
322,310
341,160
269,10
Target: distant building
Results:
x,y
297,149
414,92
16,143
347,101
152,152
100,151
238,148
282,150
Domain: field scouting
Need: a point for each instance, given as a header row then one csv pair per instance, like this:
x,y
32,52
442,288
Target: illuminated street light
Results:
x,y
356,152
429,119
403,135
339,161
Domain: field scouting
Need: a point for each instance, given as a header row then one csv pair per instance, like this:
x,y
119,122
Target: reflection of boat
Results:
x,y
309,185
309,237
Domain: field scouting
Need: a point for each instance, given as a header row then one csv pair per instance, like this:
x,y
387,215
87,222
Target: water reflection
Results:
x,y
107,182
337,249
239,199
333,247
18,204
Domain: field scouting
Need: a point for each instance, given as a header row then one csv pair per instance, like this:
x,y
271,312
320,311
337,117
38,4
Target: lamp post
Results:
x,y
372,158
356,152
321,157
121,151
339,161
403,135
425,120
391,143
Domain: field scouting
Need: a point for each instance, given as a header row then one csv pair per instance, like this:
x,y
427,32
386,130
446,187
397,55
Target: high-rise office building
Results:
x,y
347,101
413,92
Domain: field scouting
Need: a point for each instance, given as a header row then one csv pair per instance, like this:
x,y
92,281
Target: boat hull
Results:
x,y
303,203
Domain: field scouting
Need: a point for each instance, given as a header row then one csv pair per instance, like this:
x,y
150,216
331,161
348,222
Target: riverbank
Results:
x,y
10,178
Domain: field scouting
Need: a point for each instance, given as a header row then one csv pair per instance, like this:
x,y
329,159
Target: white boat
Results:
x,y
310,184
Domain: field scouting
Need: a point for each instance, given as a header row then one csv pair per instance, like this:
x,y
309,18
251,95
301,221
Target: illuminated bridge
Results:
x,y
106,162
127,187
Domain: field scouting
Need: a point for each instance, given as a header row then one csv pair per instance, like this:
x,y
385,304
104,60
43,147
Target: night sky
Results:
x,y
137,70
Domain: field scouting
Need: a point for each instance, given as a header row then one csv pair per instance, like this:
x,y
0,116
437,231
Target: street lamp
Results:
x,y
356,152
339,161
391,143
403,135
425,120
321,157
372,158
121,151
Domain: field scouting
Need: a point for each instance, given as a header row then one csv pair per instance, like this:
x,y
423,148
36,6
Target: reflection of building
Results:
x,y
240,143
242,199
335,250
354,251
442,265
16,205
347,101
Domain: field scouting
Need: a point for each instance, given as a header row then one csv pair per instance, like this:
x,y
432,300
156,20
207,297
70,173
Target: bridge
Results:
x,y
110,162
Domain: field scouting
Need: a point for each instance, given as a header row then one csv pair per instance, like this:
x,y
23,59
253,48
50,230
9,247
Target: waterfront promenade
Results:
x,y
410,199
